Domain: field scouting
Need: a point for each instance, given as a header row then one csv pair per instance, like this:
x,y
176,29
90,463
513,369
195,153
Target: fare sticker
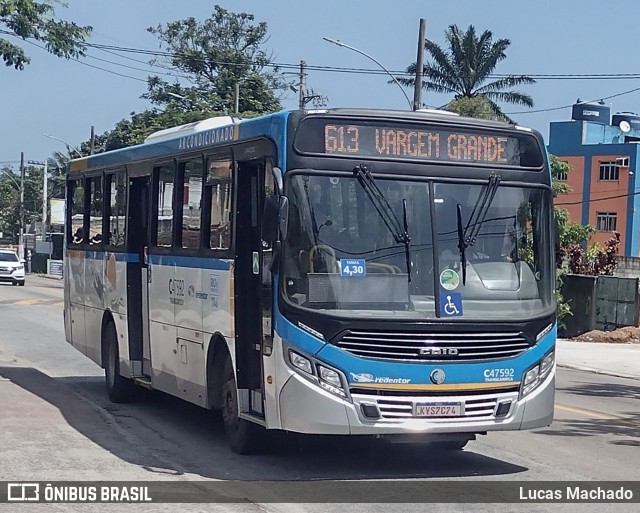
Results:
x,y
449,279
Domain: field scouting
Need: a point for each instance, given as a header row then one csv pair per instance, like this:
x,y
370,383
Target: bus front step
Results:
x,y
142,381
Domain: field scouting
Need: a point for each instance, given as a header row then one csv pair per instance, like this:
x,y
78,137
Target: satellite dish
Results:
x,y
624,126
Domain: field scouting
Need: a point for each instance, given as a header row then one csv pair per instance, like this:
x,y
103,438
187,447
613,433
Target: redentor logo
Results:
x,y
23,492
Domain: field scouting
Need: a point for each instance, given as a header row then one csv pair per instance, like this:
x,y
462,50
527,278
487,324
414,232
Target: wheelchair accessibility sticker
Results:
x,y
450,304
352,267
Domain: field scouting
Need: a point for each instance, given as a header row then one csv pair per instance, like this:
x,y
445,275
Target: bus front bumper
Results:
x,y
306,408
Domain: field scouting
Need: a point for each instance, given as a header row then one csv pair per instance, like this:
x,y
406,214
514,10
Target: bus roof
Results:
x,y
221,129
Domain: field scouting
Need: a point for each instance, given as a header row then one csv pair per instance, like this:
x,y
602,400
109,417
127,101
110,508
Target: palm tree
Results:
x,y
464,70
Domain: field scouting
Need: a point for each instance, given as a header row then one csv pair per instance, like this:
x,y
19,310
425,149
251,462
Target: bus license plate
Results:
x,y
438,410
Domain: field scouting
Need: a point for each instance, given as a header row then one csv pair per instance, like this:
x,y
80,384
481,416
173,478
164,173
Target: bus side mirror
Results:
x,y
277,180
275,218
283,217
270,219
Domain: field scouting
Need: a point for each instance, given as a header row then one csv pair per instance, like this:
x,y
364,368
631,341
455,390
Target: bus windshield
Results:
x,y
341,257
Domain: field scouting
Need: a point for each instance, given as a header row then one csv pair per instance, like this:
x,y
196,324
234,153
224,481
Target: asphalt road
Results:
x,y
57,424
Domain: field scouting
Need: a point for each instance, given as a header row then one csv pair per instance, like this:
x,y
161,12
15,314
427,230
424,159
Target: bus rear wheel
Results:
x,y
119,389
244,437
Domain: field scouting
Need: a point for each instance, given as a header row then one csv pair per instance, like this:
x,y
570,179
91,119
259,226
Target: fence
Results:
x,y
600,302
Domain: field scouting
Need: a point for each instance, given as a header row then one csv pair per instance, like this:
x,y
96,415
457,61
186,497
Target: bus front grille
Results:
x,y
431,347
475,407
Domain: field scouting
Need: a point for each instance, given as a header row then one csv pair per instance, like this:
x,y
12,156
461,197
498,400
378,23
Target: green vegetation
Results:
x,y
10,196
27,19
213,57
464,69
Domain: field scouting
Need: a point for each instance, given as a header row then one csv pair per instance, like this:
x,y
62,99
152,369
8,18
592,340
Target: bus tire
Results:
x,y
244,437
119,389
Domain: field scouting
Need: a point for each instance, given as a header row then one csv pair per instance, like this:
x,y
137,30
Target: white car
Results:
x,y
11,267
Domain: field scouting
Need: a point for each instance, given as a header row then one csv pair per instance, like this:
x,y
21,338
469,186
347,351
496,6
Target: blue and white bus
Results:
x,y
347,272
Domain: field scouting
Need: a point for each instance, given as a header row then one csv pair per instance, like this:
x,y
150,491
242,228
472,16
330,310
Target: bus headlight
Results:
x,y
547,363
329,375
300,362
330,380
321,374
534,376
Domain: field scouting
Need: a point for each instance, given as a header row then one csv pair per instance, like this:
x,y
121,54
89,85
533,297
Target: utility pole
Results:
x,y
303,86
419,65
21,237
92,141
44,199
236,99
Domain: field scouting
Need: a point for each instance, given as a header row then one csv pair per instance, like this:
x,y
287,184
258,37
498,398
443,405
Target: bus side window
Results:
x,y
191,201
116,187
76,212
165,176
219,193
95,210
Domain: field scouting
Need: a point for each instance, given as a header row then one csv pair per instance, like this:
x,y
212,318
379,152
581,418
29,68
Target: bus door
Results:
x,y
137,276
252,284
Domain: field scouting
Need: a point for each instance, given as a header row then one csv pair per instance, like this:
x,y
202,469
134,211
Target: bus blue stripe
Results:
x,y
120,257
193,262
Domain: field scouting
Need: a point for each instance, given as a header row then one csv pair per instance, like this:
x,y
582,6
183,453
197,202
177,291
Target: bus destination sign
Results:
x,y
421,144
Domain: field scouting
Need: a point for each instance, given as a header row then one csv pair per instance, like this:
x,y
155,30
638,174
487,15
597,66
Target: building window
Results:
x,y
609,170
562,175
606,221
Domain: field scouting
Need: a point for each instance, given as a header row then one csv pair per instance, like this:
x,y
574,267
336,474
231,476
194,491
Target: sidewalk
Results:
x,y
621,360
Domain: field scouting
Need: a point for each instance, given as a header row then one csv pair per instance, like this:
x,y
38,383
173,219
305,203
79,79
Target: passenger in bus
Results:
x,y
78,236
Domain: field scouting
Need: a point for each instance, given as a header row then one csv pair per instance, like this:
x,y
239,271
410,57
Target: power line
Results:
x,y
567,106
594,200
335,69
91,65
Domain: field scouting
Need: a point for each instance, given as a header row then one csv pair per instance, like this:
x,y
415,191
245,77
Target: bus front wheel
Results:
x,y
450,445
119,388
244,437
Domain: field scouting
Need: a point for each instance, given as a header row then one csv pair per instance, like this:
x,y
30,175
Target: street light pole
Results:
x,y
340,43
69,146
45,199
21,238
195,102
417,90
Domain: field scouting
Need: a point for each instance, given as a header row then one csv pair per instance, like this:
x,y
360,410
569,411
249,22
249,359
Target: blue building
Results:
x,y
603,152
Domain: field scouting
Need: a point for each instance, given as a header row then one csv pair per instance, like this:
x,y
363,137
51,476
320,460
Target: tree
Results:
x,y
9,202
139,126
471,107
465,68
215,56
28,19
577,255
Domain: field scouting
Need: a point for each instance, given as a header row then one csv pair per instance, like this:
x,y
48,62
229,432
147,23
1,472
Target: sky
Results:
x,y
64,99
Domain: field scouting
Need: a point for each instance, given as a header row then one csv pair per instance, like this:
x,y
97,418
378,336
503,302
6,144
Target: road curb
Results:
x,y
598,371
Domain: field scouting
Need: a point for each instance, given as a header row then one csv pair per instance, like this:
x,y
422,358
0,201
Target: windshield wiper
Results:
x,y
467,237
385,211
461,245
